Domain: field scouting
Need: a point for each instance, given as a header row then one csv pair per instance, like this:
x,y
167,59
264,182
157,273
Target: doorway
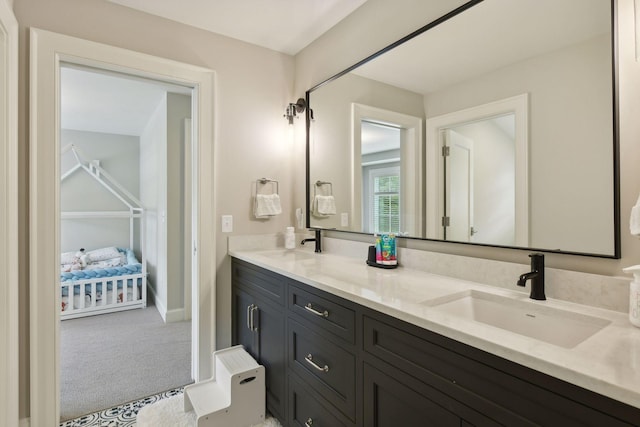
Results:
x,y
406,190
487,199
48,52
124,154
381,178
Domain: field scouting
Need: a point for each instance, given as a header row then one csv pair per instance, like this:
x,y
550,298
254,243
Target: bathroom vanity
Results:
x,y
348,345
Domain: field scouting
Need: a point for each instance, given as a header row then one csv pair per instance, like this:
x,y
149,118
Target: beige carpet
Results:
x,y
111,359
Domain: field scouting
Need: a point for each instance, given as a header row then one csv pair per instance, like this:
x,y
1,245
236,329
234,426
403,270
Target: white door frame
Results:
x,y
519,105
47,51
411,196
9,329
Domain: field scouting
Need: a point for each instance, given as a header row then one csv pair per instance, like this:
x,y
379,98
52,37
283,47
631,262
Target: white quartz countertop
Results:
x,y
607,362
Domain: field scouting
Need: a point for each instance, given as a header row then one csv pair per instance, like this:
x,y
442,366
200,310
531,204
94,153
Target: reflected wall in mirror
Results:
x,y
505,119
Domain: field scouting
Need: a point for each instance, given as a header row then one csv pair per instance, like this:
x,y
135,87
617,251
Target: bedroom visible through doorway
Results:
x,y
126,181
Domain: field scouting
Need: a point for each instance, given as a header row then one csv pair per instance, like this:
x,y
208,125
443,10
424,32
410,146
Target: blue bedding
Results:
x,y
133,266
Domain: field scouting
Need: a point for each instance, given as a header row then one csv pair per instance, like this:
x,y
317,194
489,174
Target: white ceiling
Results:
x,y
105,102
490,35
378,137
97,101
283,25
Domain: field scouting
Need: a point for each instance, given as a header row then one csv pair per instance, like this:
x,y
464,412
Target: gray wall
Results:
x,y
119,155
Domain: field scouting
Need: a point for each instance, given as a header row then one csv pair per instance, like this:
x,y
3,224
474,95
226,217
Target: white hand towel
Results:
x,y
266,205
325,205
634,220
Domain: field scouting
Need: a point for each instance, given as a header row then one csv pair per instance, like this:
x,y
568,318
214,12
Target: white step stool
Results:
x,y
235,394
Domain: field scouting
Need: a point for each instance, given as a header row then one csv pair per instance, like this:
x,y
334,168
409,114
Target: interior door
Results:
x,y
458,186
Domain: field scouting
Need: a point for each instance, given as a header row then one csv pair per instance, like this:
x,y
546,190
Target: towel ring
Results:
x,y
264,181
321,184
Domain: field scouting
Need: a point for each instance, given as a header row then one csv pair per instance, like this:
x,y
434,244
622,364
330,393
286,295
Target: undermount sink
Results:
x,y
552,325
288,255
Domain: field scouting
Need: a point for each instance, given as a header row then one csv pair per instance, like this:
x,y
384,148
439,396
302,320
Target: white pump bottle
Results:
x,y
289,238
634,295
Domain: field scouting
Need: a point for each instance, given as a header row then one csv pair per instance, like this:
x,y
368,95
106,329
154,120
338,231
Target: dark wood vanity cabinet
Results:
x,y
258,313
322,355
331,362
391,395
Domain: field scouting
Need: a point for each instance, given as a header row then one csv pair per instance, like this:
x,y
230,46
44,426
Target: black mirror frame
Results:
x,y
616,132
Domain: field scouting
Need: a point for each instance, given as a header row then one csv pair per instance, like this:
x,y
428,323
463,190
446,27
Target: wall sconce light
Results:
x,y
294,109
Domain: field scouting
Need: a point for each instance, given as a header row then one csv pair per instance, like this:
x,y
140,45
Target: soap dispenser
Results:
x,y
634,295
289,238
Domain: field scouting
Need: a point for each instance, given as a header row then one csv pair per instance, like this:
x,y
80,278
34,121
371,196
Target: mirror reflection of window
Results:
x,y
380,177
385,200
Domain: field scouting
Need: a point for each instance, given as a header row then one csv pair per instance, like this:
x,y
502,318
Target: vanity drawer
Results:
x,y
505,392
308,409
326,367
330,316
259,280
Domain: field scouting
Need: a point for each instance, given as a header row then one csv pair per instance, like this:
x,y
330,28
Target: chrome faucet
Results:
x,y
316,239
536,275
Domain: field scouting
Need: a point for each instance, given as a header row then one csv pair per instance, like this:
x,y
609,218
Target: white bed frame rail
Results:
x,y
95,301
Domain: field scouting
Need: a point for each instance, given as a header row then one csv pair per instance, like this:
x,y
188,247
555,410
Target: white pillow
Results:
x,y
103,254
67,257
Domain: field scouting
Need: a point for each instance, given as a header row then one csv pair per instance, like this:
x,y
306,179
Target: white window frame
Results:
x,y
372,175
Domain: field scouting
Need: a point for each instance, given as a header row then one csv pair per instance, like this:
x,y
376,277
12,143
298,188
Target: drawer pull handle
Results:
x,y
310,361
308,423
310,308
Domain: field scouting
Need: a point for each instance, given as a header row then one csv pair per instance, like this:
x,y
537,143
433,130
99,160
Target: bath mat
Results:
x,y
170,413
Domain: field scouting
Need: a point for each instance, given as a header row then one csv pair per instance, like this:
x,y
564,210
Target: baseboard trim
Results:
x,y
175,315
168,316
25,422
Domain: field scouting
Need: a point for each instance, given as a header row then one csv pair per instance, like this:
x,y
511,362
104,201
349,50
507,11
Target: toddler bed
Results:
x,y
101,281
107,279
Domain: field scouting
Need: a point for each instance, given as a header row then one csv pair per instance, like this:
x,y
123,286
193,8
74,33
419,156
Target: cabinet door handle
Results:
x,y
308,423
250,319
309,359
253,325
310,308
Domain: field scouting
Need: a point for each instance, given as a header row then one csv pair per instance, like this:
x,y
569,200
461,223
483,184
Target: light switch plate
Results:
x,y
344,219
227,223
300,218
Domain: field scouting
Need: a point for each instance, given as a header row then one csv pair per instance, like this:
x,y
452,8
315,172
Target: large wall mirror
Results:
x,y
494,125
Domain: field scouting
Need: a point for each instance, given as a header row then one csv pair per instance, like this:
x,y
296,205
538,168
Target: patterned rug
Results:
x,y
120,416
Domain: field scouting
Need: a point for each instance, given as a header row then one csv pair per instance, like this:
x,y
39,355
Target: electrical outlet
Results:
x,y
227,223
344,219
